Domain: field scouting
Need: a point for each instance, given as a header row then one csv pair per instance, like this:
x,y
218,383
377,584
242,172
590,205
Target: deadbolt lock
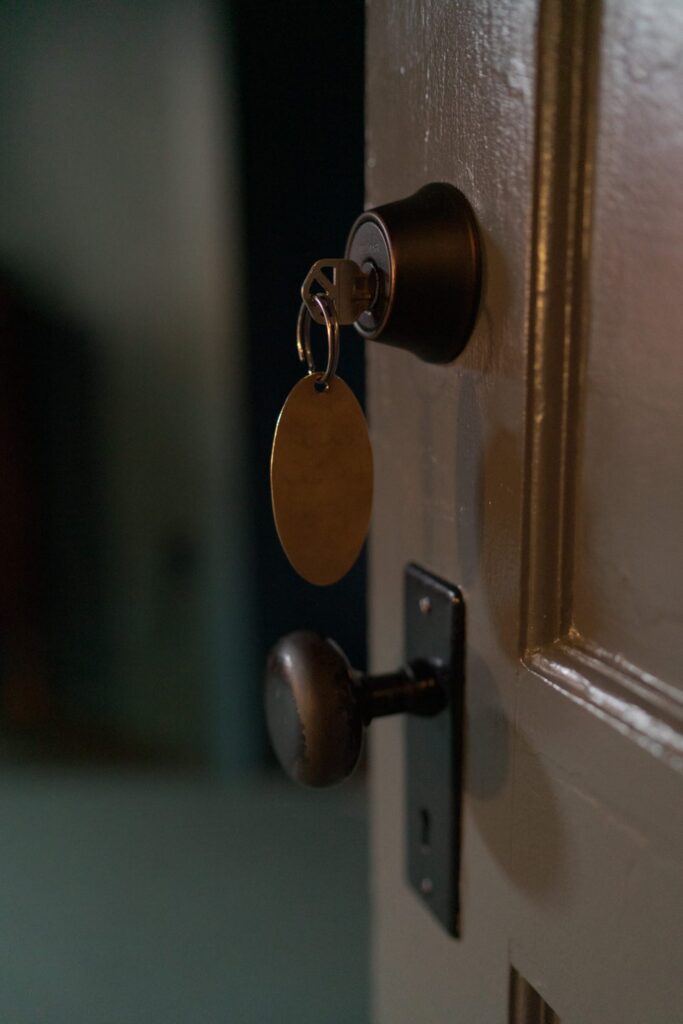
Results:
x,y
411,276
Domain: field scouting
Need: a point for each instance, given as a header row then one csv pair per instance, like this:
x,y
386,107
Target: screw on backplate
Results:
x,y
426,886
425,605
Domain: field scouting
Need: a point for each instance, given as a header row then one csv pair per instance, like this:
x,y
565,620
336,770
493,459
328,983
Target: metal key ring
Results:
x,y
303,337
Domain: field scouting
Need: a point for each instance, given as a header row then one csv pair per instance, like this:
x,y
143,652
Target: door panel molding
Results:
x,y
636,702
639,705
568,46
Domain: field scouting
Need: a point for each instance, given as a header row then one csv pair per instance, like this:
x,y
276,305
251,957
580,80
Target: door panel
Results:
x,y
627,596
531,473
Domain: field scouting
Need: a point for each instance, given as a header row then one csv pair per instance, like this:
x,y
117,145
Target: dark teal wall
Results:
x,y
120,222
169,171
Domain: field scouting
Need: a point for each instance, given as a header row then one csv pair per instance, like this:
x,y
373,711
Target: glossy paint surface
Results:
x,y
561,124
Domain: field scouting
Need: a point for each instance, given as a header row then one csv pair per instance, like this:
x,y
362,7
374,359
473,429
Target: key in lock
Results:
x,y
352,289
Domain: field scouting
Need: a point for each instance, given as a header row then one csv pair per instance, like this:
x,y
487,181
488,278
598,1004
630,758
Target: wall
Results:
x,y
120,220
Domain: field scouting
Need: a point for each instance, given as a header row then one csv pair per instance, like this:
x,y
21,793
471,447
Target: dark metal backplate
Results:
x,y
435,632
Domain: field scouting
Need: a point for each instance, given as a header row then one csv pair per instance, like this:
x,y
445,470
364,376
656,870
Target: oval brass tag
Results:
x,y
321,479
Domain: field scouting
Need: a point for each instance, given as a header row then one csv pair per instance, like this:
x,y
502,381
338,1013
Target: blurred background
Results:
x,y
169,170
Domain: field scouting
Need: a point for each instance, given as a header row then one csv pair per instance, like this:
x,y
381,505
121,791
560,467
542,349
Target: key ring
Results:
x,y
303,337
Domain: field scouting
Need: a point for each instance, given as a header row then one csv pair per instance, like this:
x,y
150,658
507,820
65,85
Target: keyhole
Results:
x,y
425,830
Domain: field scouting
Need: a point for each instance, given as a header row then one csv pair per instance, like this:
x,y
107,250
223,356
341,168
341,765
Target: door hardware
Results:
x,y
317,709
411,276
317,706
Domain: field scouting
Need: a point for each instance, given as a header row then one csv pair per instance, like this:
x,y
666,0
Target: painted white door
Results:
x,y
543,473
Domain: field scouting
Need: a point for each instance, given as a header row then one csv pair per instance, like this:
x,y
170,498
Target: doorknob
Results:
x,y
317,709
317,706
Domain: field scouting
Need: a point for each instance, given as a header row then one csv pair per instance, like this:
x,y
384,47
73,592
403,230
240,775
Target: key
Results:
x,y
350,289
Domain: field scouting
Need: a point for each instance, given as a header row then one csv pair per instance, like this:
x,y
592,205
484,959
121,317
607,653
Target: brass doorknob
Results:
x,y
317,706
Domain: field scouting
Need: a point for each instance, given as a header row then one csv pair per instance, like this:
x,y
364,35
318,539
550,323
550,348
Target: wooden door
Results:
x,y
543,473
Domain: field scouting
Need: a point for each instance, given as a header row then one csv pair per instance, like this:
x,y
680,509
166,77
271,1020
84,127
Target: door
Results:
x,y
542,473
